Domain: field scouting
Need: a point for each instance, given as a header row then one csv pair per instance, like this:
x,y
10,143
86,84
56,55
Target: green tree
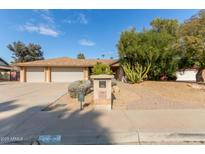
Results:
x,y
151,50
162,55
23,53
134,60
191,42
170,26
100,68
80,56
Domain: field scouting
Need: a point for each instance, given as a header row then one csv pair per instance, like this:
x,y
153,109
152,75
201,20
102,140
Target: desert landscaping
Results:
x,y
148,95
160,95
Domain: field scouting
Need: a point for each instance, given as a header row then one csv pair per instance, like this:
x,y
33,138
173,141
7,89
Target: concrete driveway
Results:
x,y
20,101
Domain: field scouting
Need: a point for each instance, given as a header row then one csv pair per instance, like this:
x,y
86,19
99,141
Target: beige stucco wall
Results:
x,y
22,74
86,75
47,74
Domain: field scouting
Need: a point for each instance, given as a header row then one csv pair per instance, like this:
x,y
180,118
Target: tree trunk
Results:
x,y
200,76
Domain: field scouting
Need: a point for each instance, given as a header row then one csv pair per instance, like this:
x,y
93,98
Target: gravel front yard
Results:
x,y
159,95
148,95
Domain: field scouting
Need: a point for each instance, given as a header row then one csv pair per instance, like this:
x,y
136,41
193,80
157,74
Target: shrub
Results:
x,y
4,76
100,68
79,86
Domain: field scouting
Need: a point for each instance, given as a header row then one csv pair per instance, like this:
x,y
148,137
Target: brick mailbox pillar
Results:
x,y
102,91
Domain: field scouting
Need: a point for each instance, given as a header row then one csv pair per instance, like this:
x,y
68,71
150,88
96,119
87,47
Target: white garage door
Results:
x,y
35,74
66,74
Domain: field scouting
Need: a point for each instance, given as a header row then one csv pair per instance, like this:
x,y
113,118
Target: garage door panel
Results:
x,y
66,74
35,74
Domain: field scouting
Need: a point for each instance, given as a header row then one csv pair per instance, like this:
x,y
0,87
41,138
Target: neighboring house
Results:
x,y
60,69
8,72
186,75
4,70
4,65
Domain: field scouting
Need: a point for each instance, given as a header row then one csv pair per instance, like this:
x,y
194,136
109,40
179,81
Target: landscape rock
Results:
x,y
115,89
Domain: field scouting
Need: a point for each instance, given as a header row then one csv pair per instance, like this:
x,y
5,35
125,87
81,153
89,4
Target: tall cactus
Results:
x,y
136,73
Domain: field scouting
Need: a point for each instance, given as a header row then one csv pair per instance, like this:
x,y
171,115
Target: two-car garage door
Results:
x,y
66,74
58,74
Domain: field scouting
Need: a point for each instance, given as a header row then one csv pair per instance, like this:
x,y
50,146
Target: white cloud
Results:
x,y
48,31
86,42
82,19
79,18
45,14
47,18
41,29
68,21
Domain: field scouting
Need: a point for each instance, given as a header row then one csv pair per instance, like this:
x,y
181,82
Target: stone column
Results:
x,y
102,86
22,74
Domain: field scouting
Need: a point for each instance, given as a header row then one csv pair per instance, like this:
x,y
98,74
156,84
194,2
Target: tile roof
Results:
x,y
5,68
65,61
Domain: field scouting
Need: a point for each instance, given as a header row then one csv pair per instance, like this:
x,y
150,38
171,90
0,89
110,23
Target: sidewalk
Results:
x,y
118,126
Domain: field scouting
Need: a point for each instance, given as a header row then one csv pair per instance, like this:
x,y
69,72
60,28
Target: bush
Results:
x,y
79,86
4,76
100,68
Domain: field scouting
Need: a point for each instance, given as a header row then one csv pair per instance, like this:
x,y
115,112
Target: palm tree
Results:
x,y
103,55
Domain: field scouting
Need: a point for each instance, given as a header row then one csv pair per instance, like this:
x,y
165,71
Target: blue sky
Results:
x,y
68,32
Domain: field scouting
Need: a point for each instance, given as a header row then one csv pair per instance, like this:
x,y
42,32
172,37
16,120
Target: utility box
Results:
x,y
102,91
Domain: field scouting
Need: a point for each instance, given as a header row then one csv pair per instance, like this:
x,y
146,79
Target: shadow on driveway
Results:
x,y
8,105
75,127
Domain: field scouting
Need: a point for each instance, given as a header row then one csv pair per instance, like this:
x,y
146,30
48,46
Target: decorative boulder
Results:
x,y
115,89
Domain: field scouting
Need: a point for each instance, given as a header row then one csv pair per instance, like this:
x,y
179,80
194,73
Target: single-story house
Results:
x,y
62,69
8,72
